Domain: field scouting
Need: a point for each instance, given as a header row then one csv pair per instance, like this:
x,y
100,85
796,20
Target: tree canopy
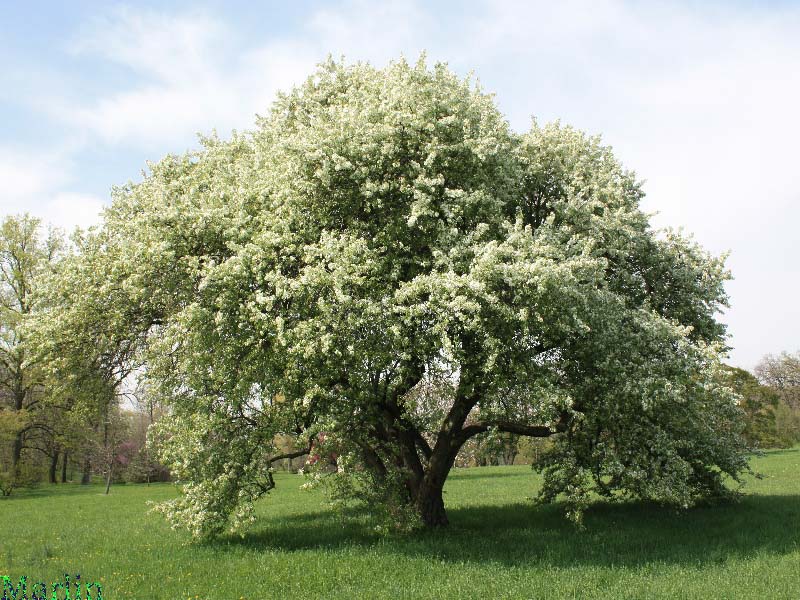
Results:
x,y
383,269
782,373
26,257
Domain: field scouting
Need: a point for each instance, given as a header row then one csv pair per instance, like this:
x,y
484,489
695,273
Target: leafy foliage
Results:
x,y
381,235
759,404
27,257
781,374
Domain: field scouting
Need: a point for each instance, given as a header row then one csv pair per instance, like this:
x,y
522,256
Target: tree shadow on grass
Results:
x,y
52,490
49,490
631,534
616,534
493,472
774,452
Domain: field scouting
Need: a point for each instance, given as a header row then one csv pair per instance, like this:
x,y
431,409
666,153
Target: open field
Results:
x,y
499,545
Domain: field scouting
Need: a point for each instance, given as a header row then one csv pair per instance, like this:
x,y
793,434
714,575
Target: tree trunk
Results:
x,y
108,478
429,500
65,458
53,467
430,506
16,453
86,478
16,450
108,452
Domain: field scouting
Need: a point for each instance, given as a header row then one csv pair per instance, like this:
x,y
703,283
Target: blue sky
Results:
x,y
700,99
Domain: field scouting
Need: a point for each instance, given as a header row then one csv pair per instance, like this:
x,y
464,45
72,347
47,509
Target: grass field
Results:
x,y
498,546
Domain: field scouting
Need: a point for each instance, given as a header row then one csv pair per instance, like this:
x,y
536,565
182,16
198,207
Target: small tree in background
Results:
x,y
27,257
782,374
143,465
111,454
759,403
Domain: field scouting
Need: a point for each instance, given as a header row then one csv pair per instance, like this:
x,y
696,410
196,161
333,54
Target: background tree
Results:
x,y
86,349
383,231
782,374
111,453
26,257
758,403
142,465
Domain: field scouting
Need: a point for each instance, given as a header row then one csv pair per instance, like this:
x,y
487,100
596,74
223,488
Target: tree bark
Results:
x,y
65,458
86,478
429,500
108,452
108,477
19,404
53,467
16,453
430,505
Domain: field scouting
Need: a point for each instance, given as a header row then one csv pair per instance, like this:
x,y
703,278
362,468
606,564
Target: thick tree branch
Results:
x,y
507,427
296,454
423,444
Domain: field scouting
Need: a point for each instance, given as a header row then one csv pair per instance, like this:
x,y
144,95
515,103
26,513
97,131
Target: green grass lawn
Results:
x,y
499,545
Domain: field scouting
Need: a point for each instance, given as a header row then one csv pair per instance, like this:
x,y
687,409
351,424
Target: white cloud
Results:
x,y
156,45
191,79
69,210
28,176
374,31
34,183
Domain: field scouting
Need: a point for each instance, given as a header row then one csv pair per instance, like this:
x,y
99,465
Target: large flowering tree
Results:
x,y
381,234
